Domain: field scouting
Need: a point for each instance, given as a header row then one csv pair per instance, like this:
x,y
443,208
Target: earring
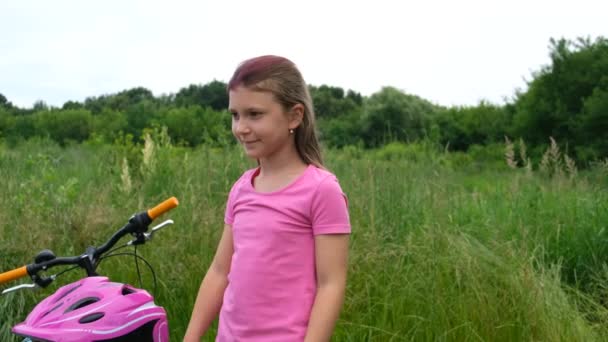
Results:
x,y
291,131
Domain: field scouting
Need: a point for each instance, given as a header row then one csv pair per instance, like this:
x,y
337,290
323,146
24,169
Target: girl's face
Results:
x,y
260,123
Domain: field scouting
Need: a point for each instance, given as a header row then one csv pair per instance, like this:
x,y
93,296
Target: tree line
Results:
x,y
566,100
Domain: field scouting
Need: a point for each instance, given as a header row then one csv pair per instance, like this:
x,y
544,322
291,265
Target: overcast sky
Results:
x,y
449,52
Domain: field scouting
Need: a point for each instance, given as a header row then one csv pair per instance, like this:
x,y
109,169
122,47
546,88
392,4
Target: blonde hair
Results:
x,y
281,77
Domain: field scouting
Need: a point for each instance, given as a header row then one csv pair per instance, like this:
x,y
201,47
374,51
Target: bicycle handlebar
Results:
x,y
13,275
163,208
137,224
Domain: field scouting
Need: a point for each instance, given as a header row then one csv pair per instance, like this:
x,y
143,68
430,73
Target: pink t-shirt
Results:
x,y
272,282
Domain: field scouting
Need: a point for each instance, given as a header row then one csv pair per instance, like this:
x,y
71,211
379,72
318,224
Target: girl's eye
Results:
x,y
255,114
234,115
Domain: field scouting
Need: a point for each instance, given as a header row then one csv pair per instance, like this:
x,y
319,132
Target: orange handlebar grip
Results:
x,y
163,207
13,275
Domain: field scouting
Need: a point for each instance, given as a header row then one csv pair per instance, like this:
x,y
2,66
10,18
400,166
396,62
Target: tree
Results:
x,y
462,127
25,126
355,97
137,95
185,125
109,124
4,103
72,105
213,94
7,122
553,105
391,115
343,130
330,102
592,128
121,101
64,125
140,115
40,105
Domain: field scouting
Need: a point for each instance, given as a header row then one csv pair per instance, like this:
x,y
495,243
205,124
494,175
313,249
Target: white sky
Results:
x,y
449,52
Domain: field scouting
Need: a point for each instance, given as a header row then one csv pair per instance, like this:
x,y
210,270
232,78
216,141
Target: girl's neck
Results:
x,y
285,162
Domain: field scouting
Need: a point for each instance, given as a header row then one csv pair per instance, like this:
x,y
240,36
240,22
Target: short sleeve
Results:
x,y
229,213
329,209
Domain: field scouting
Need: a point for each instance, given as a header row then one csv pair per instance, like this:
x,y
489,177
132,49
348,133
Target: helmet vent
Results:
x,y
91,318
82,303
127,291
53,309
67,293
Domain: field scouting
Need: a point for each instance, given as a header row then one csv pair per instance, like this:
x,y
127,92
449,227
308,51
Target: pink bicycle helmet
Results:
x,y
95,309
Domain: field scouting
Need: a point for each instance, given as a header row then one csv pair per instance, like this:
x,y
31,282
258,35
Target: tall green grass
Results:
x,y
440,251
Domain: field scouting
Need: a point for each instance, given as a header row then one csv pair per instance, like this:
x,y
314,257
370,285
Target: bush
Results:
x,y
416,152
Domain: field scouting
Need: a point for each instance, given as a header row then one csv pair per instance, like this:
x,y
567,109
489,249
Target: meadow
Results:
x,y
445,246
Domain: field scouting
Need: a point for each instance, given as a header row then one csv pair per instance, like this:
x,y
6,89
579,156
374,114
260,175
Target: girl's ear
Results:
x,y
296,115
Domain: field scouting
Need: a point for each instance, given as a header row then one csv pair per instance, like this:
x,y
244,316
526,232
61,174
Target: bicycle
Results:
x,y
94,308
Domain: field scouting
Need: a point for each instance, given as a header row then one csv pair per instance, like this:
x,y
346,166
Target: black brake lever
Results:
x,y
140,239
42,281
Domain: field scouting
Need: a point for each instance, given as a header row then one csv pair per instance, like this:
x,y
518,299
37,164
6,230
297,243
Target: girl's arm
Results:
x,y
211,292
331,257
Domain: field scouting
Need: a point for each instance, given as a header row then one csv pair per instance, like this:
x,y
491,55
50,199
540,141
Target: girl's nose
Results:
x,y
241,127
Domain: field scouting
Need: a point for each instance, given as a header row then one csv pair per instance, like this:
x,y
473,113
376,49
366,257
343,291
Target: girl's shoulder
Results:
x,y
319,181
320,175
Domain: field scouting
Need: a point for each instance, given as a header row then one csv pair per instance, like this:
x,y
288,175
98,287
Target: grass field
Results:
x,y
441,250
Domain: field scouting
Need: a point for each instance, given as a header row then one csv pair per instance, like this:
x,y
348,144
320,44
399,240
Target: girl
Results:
x,y
279,273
